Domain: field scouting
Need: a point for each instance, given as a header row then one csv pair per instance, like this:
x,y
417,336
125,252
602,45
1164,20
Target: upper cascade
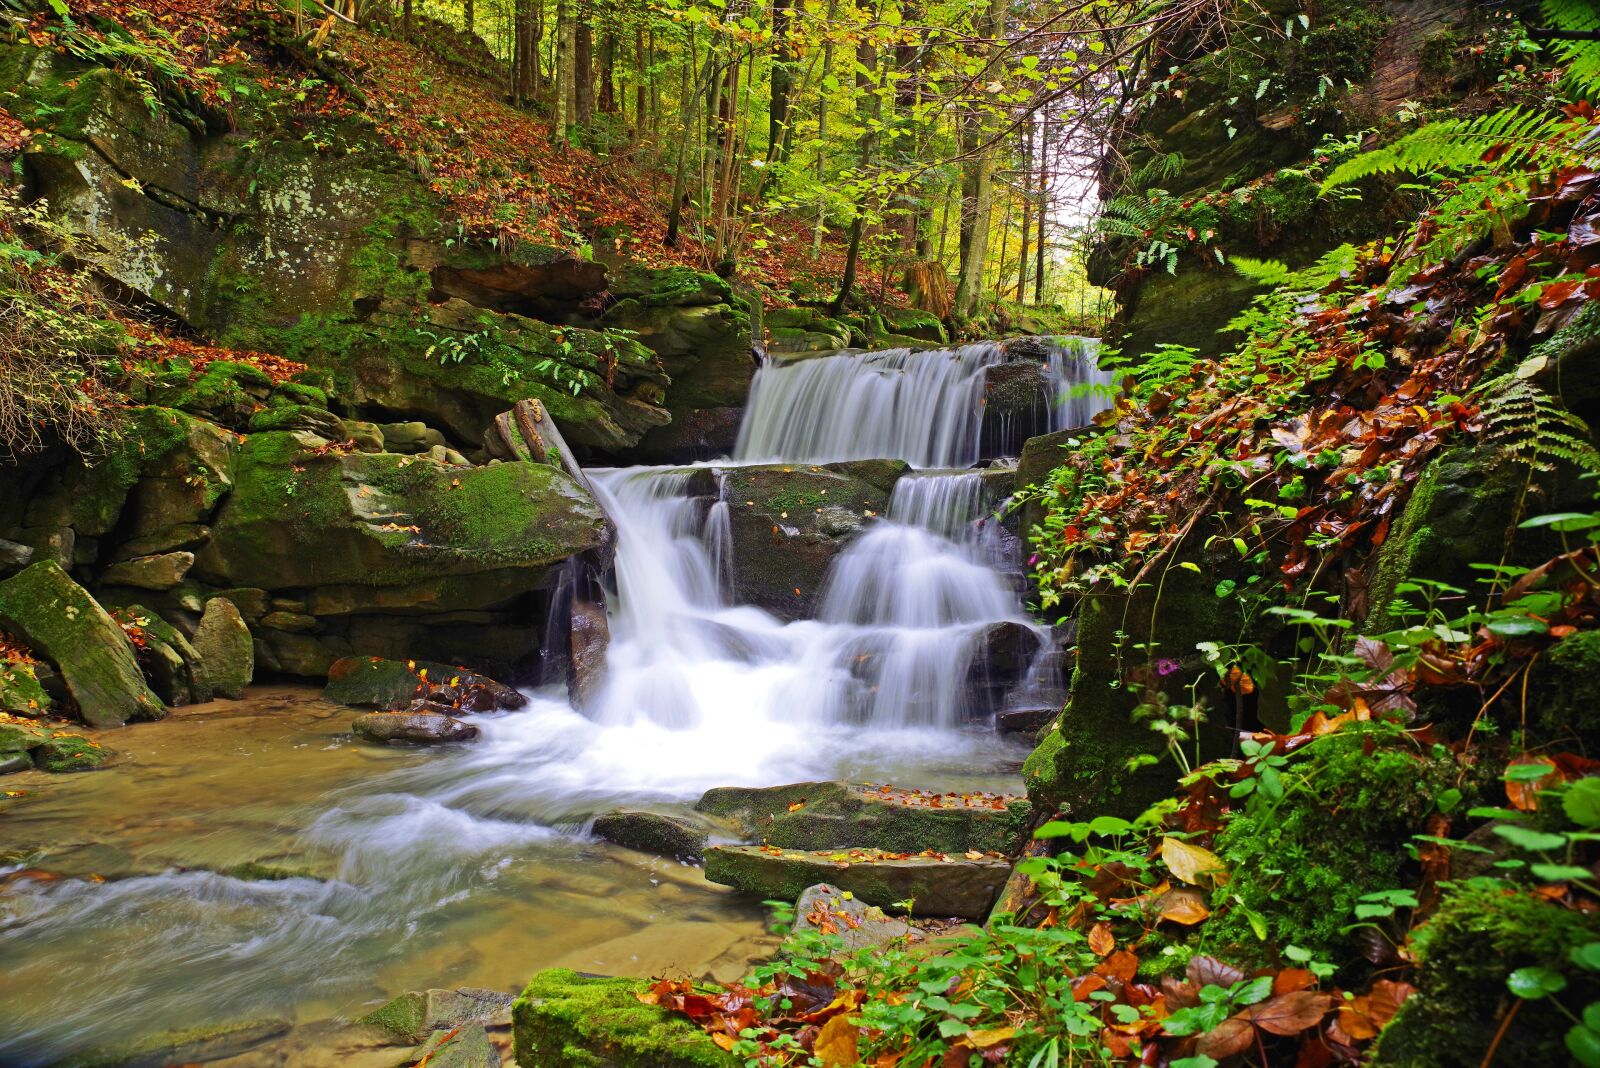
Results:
x,y
926,408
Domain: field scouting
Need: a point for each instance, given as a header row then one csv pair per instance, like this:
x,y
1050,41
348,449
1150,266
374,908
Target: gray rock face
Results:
x,y
164,572
830,911
934,886
226,651
59,620
15,556
412,728
590,636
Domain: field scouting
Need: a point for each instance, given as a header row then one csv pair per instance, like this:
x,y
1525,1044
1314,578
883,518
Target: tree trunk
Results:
x,y
782,76
867,67
469,11
1027,213
642,76
608,73
1043,212
583,74
680,172
977,185
562,118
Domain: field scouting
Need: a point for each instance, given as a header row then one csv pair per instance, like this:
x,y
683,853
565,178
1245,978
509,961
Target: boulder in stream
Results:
x,y
681,837
413,1016
390,685
59,620
564,1019
411,728
226,651
927,885
828,910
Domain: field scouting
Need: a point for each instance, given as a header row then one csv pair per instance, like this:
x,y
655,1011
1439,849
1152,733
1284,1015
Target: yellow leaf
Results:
x,y
836,1043
991,1037
1190,862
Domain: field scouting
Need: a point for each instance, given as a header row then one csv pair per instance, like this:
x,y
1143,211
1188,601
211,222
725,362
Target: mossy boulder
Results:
x,y
373,682
170,662
1465,951
1567,682
914,324
673,287
678,836
227,653
934,886
394,532
822,815
163,571
69,752
20,691
789,522
566,1020
58,619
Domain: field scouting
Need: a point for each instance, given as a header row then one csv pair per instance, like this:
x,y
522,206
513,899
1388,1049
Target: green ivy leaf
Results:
x,y
1527,838
1535,982
1583,1042
1581,802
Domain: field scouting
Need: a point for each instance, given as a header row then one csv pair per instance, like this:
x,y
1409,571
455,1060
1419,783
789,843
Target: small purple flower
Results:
x,y
1034,559
1166,667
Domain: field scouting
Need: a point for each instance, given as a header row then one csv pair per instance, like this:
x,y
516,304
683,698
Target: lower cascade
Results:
x,y
482,848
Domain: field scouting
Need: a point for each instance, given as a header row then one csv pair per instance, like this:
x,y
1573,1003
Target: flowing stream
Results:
x,y
471,866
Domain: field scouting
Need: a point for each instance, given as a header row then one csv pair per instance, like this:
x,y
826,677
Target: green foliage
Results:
x,y
1581,59
1533,427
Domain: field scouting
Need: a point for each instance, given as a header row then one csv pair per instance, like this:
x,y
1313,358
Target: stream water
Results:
x,y
471,865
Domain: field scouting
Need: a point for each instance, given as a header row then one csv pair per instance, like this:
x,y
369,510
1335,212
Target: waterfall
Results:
x,y
926,408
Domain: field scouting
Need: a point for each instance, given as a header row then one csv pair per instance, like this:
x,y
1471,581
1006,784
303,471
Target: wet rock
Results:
x,y
411,1017
367,437
14,556
192,1045
158,573
933,886
411,728
820,815
789,521
828,910
387,685
303,654
226,651
21,737
590,637
652,832
69,752
1017,406
564,1019
293,622
693,436
16,760
56,618
171,663
1024,720
310,418
1001,662
460,1047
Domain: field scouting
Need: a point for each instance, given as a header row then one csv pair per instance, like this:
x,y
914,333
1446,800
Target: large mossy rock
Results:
x,y
822,815
413,1016
20,691
1466,950
566,1020
60,621
377,531
789,522
226,650
934,885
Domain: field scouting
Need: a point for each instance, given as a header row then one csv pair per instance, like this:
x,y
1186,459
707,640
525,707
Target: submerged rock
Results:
x,y
413,1016
226,651
925,885
192,1045
563,1019
69,752
59,620
389,685
412,728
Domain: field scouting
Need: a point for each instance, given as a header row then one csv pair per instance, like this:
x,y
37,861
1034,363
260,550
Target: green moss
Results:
x,y
564,1020
794,500
299,393
1478,936
1354,800
20,692
405,1017
1567,681
662,286
69,752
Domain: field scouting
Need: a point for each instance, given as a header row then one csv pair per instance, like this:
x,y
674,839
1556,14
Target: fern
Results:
x,y
1581,58
1515,139
1532,427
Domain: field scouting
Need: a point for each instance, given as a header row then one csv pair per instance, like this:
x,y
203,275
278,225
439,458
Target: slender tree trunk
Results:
x,y
977,187
562,117
1026,231
469,14
866,67
405,20
535,54
782,76
1043,212
642,75
822,121
680,173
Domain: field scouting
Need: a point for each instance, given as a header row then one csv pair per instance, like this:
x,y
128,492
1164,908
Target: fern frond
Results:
x,y
1511,139
1581,58
1532,427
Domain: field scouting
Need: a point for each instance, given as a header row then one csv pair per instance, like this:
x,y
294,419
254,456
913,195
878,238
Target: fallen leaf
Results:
x,y
1190,862
836,1043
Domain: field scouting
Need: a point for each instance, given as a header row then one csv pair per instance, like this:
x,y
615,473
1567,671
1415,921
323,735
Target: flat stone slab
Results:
x,y
935,884
826,815
682,837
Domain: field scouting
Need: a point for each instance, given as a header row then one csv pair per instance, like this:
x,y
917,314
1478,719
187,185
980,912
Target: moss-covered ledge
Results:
x,y
567,1020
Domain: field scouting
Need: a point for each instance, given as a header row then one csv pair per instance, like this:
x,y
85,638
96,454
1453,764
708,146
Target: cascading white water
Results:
x,y
923,407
